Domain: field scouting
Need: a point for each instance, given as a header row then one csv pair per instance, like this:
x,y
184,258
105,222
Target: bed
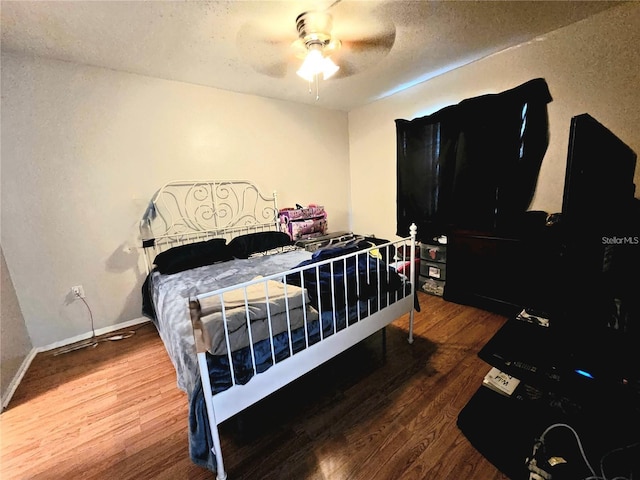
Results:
x,y
243,312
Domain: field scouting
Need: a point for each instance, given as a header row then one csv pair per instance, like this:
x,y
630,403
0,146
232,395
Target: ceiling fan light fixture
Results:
x,y
314,32
315,63
329,68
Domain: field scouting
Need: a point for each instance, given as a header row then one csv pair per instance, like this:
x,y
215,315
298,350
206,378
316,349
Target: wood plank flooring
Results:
x,y
114,411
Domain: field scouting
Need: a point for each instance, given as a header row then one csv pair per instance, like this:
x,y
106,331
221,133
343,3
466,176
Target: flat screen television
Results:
x,y
599,178
601,232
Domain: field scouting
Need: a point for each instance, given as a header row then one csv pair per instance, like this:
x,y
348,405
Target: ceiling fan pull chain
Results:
x,y
315,81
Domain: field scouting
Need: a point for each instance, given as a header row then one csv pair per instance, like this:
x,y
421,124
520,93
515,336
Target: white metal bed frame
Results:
x,y
187,211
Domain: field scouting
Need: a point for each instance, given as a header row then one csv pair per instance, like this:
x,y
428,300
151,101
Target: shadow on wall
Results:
x,y
123,259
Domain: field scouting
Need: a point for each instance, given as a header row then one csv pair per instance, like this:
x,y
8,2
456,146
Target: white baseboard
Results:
x,y
6,398
100,331
63,343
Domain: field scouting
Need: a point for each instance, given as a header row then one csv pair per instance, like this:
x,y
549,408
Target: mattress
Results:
x,y
170,296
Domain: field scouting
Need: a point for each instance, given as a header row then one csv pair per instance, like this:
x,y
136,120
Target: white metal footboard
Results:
x,y
386,306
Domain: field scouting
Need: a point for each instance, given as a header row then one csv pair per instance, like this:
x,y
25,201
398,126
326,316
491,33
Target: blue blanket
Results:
x,y
358,276
346,281
200,441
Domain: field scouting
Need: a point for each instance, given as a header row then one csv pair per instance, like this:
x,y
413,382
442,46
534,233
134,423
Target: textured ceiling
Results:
x,y
245,46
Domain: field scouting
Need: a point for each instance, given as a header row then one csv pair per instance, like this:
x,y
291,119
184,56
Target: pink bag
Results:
x,y
303,222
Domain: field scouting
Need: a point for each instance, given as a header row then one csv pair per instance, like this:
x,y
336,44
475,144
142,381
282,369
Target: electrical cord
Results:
x,y
575,434
610,452
93,340
93,330
594,476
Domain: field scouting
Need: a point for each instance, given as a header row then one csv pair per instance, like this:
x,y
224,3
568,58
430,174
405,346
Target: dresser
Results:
x,y
504,271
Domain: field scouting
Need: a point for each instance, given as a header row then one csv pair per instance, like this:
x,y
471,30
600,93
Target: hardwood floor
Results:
x,y
114,411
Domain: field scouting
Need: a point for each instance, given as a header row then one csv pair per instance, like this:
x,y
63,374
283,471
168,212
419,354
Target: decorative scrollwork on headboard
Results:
x,y
186,211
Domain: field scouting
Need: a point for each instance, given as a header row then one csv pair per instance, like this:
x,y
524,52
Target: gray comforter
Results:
x,y
171,295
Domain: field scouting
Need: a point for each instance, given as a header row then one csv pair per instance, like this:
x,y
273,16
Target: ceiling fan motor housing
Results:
x,y
314,28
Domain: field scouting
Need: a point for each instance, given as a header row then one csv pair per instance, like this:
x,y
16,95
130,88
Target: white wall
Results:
x,y
15,344
84,149
591,67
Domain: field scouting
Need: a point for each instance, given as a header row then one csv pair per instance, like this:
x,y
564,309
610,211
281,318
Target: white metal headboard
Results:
x,y
186,211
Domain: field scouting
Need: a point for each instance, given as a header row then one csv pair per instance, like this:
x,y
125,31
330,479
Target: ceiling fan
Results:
x,y
342,39
316,44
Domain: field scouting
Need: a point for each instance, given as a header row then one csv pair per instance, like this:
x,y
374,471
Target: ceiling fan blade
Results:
x,y
274,70
347,69
366,35
383,42
266,51
358,55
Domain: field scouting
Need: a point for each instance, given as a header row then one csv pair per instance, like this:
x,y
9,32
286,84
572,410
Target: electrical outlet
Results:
x,y
78,291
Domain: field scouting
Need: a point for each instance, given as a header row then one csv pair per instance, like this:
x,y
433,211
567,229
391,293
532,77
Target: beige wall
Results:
x,y
591,67
84,149
15,344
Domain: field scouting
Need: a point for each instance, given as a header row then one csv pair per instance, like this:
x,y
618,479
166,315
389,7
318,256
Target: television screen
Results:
x,y
599,177
601,231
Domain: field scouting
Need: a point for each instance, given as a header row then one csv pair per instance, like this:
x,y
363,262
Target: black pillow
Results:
x,y
245,245
184,257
